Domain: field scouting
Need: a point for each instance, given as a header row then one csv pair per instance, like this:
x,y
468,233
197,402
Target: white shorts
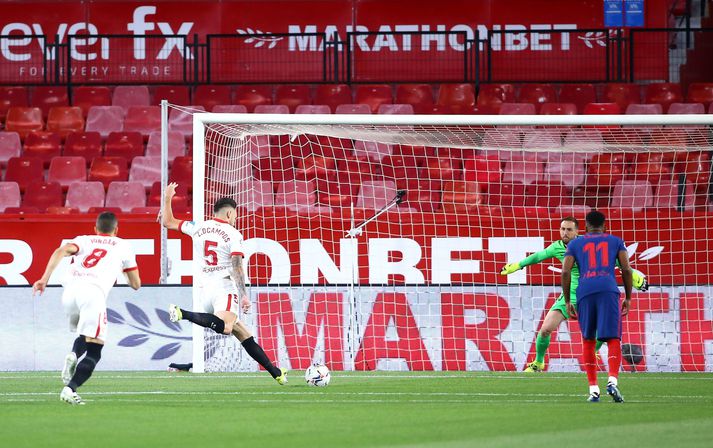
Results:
x,y
85,305
219,295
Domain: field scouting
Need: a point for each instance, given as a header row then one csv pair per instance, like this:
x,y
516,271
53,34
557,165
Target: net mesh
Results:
x,y
419,288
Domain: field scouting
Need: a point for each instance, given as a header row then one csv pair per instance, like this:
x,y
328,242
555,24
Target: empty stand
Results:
x,y
146,119
253,95
622,94
578,94
663,93
9,195
42,195
108,169
209,96
124,144
127,97
558,109
644,109
125,195
602,109
419,96
376,194
333,95
632,194
145,170
353,109
176,145
67,170
313,109
65,120
271,109
83,144
686,108
182,171
173,94
42,144
293,96
698,92
517,109
295,194
459,97
10,146
181,120
461,196
537,94
47,97
494,95
24,170
105,120
229,109
396,109
374,96
86,97
24,120
12,97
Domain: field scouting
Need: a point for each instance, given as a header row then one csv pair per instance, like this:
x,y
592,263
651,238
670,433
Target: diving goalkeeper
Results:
x,y
569,229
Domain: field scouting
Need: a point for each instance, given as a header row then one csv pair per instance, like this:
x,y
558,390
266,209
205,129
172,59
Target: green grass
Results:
x,y
441,409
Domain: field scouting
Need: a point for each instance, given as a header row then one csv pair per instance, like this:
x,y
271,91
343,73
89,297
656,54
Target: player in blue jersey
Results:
x,y
598,309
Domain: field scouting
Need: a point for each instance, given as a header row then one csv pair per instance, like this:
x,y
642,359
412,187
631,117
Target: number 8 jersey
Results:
x,y
214,243
99,260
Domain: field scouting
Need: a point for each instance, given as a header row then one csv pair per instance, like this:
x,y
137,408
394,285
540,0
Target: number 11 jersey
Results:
x,y
596,255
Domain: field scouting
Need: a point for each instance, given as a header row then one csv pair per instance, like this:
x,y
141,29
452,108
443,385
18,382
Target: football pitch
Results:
x,y
430,409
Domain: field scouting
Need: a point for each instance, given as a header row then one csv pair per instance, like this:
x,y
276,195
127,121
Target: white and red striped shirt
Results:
x,y
214,243
99,260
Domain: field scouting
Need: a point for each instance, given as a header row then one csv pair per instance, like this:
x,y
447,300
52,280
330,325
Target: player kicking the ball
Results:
x,y
598,309
98,260
569,229
221,281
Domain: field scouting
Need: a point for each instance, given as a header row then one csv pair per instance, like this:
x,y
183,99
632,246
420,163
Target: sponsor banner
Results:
x,y
370,328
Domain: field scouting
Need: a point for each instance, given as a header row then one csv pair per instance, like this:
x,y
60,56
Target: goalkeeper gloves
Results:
x,y
639,281
510,268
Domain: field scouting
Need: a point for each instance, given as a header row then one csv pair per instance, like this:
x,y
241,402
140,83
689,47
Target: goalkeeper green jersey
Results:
x,y
554,250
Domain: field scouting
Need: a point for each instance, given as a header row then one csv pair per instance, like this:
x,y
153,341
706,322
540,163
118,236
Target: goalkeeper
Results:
x,y
569,229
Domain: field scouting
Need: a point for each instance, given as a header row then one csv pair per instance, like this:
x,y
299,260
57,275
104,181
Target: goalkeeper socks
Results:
x,y
614,357
258,354
541,345
590,361
598,345
206,320
86,366
80,346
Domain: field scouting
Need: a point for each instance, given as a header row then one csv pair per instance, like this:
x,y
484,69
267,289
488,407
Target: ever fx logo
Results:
x,y
140,26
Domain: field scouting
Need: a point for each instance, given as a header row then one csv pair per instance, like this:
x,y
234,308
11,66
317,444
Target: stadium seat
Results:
x,y
145,120
83,144
605,170
459,97
372,150
108,169
698,92
125,195
652,167
22,210
461,196
399,167
211,95
578,94
181,120
85,195
549,139
124,144
517,109
86,97
67,170
374,95
602,109
644,109
507,194
12,97
494,95
697,169
10,146
622,94
537,94
55,210
105,120
180,200
145,171
24,120
47,97
267,169
42,144
526,169
421,194
295,194
176,145
419,96
313,165
253,95
547,194
376,194
395,109
259,194
663,93
632,194
558,109
686,108
42,195
65,120
565,168
173,94
313,109
439,109
293,96
127,97
24,170
483,170
229,109
271,109
9,195
667,196
353,109
337,191
182,171
502,143
333,95
441,169
589,140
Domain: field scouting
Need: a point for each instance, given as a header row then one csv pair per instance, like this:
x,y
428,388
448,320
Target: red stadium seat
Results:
x,y
579,94
632,194
589,140
210,95
441,169
502,143
605,170
483,170
400,167
22,210
697,169
173,94
10,146
180,199
182,171
372,150
9,195
337,191
566,168
143,119
44,145
124,144
182,120
664,93
549,139
644,109
145,171
698,92
105,120
686,108
525,169
667,196
493,95
47,97
55,210
12,97
67,170
272,169
42,195
86,97
395,109
313,109
651,167
333,95
293,96
127,97
622,94
125,195
271,109
108,169
421,194
360,109
459,97
65,120
83,144
24,120
537,94
253,95
517,109
295,194
547,194
602,109
229,109
460,196
507,194
24,170
314,165
420,96
85,195
558,109
376,194
176,145
374,95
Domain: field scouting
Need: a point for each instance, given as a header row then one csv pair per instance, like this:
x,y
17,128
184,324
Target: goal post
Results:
x,y
375,241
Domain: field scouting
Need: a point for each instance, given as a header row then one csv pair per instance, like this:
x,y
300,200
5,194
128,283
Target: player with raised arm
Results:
x,y
221,280
569,230
598,309
98,260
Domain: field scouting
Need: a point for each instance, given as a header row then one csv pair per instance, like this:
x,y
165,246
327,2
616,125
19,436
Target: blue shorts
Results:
x,y
599,316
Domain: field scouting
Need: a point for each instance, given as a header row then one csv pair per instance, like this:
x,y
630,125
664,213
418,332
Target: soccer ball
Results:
x,y
317,375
